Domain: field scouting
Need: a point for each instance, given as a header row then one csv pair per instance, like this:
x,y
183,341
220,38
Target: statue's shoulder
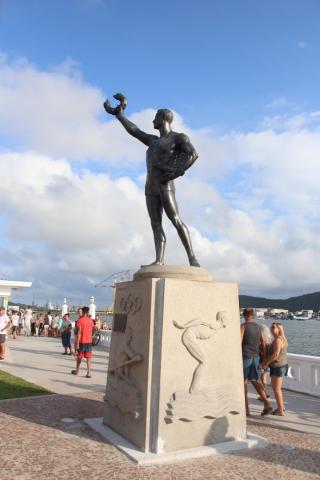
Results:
x,y
181,137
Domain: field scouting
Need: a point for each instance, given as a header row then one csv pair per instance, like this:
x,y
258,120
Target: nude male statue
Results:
x,y
168,157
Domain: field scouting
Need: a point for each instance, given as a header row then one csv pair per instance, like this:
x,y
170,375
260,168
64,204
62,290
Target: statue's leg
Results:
x,y
154,206
171,208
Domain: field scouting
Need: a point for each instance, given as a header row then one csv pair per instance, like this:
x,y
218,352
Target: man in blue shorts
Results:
x,y
251,338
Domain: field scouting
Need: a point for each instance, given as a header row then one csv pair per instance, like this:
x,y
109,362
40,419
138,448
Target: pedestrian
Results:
x,y
66,328
278,362
263,352
4,324
15,323
20,322
41,324
34,321
75,331
251,339
47,323
97,322
59,323
27,321
84,341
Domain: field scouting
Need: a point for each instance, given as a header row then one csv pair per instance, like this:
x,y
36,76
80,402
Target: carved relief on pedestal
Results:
x,y
212,404
199,401
121,389
130,304
194,333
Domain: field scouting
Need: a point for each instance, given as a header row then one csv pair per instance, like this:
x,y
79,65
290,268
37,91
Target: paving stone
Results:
x,y
36,444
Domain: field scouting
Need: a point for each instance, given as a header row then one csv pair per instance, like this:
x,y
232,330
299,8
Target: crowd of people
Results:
x,y
43,324
263,353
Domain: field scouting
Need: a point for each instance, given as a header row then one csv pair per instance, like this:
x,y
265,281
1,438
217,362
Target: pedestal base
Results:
x,y
175,377
147,458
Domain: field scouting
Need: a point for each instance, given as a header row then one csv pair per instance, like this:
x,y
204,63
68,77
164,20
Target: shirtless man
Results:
x,y
161,171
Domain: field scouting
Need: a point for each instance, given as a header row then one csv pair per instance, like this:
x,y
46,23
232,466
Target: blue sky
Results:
x,y
243,79
217,63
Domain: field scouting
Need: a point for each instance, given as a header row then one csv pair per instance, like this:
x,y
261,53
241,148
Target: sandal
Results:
x,y
74,372
266,411
278,413
88,375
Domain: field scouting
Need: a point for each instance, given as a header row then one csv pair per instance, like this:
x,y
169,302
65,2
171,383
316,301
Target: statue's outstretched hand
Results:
x,y
108,108
119,109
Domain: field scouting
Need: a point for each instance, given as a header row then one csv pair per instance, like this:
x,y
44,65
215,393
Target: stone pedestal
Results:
x,y
175,369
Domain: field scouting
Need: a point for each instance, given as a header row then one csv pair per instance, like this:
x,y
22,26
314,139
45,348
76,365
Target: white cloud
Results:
x,y
285,121
57,113
68,230
251,200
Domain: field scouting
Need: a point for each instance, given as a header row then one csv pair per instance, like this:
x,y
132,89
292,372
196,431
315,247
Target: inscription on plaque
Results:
x,y
120,322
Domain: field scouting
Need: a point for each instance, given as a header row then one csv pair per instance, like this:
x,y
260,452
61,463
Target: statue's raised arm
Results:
x,y
131,128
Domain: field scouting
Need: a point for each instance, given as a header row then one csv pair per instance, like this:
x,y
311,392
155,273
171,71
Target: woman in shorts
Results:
x,y
278,363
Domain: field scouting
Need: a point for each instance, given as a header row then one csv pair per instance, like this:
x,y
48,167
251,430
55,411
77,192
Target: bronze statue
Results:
x,y
168,157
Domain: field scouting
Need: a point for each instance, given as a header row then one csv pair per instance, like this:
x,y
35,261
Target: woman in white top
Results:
x,y
27,321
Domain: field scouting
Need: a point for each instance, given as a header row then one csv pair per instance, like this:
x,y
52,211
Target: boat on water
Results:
x,y
301,318
304,315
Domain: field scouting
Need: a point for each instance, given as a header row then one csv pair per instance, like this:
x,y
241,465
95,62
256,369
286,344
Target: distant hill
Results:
x,y
310,301
17,304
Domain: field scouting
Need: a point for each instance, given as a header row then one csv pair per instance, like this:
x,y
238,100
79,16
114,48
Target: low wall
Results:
x,y
304,374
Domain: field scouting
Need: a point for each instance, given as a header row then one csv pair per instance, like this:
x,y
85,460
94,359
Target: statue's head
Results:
x,y
163,115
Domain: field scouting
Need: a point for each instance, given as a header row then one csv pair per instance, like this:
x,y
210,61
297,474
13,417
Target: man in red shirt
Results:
x,y
84,340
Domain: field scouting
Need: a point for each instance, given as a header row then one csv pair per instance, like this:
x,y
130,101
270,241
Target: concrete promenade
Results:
x,y
36,442
40,360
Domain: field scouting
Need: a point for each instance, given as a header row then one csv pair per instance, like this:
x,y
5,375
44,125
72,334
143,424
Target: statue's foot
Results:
x,y
194,262
156,262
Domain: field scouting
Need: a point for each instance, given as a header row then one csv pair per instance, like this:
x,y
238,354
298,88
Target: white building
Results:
x,y
6,287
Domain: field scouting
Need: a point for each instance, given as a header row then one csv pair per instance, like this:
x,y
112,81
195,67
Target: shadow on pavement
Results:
x,y
50,410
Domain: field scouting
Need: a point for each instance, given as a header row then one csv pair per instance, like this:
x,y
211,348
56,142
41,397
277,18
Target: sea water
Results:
x,y
303,335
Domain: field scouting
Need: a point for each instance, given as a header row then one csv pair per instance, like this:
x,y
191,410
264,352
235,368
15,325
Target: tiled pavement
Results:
x,y
35,443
